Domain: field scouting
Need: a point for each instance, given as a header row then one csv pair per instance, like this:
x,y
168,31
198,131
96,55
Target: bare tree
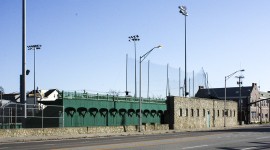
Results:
x,y
2,91
114,92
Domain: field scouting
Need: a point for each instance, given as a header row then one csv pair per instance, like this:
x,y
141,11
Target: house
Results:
x,y
262,107
43,95
12,111
14,97
250,96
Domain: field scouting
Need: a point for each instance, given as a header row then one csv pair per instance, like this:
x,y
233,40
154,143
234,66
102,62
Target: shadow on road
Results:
x,y
264,128
257,145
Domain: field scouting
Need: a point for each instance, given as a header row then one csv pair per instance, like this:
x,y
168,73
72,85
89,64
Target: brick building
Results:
x,y
253,109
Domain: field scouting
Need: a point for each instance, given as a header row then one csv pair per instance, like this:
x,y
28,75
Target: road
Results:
x,y
234,139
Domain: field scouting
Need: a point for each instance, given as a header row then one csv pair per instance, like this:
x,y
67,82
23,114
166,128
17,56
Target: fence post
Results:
x,y
16,117
3,117
10,113
42,118
63,116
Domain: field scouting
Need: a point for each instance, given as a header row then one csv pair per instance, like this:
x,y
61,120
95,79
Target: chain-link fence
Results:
x,y
14,115
159,81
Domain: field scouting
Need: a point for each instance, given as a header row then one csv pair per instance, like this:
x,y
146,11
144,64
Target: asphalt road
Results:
x,y
235,139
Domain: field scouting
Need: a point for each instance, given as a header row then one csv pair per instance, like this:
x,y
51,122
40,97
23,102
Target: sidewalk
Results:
x,y
60,137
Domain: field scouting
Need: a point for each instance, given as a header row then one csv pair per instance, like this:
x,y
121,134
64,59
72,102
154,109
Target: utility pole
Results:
x,y
240,97
225,93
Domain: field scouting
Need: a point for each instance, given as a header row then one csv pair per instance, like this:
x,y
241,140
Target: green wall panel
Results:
x,y
82,109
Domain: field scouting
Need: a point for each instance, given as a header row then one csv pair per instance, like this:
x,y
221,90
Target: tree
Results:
x,y
2,91
114,92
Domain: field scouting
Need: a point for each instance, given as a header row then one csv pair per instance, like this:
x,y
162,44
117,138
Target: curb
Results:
x,y
45,138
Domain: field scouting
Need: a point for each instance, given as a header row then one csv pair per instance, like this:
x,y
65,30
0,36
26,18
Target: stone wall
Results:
x,y
78,130
198,113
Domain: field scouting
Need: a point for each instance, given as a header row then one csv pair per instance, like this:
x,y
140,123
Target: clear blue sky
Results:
x,y
84,42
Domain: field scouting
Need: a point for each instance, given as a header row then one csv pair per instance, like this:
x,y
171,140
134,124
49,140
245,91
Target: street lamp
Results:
x,y
34,48
140,103
225,94
135,38
183,11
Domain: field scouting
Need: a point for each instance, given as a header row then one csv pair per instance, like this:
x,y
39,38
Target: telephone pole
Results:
x,y
239,82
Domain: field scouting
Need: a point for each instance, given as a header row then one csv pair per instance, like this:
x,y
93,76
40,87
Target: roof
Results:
x,y
33,91
11,96
219,93
49,92
264,95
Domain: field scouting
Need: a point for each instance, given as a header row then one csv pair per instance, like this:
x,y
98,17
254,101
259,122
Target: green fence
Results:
x,y
83,109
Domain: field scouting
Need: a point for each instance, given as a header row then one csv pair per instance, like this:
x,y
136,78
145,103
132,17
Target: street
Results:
x,y
233,139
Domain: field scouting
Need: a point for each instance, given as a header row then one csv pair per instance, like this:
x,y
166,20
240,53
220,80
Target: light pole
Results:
x,y
183,11
135,38
225,94
140,103
34,48
22,77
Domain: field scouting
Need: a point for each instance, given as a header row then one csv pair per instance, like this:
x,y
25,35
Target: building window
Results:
x,y
198,112
204,112
234,113
222,113
218,113
186,112
180,112
253,114
192,113
230,113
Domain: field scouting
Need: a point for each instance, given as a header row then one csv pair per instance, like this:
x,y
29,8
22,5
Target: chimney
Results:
x,y
254,84
201,87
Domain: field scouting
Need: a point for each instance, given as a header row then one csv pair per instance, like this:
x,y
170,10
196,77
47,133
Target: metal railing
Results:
x,y
77,95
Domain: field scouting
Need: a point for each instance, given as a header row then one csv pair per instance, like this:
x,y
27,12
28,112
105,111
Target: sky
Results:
x,y
85,42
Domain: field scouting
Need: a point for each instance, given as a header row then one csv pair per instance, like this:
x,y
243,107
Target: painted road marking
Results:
x,y
249,148
195,147
116,139
263,137
49,144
